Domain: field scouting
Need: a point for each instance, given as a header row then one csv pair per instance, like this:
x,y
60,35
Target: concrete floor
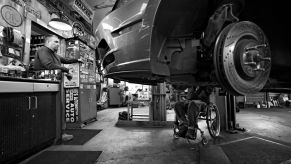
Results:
x,y
131,145
126,145
273,123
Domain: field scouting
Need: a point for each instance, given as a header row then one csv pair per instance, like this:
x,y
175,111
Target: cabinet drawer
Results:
x,y
12,87
45,87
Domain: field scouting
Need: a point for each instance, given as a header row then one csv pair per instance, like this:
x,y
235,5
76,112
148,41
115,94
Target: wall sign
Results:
x,y
32,11
83,10
72,105
11,16
78,29
47,4
22,2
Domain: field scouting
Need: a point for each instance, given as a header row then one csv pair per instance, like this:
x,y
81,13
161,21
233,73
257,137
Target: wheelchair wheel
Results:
x,y
213,120
175,130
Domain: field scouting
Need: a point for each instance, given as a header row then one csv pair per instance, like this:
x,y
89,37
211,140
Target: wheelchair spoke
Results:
x,y
213,120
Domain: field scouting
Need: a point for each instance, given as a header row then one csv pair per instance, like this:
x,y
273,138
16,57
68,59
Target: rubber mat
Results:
x,y
66,157
81,136
256,150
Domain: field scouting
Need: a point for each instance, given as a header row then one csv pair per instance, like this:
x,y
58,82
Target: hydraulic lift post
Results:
x,y
158,103
227,108
230,107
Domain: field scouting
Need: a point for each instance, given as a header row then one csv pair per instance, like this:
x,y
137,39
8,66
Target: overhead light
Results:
x,y
60,24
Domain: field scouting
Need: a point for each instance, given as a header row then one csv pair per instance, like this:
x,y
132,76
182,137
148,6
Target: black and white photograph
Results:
x,y
145,82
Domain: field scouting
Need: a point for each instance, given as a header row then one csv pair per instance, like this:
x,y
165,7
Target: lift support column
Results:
x,y
227,108
231,109
158,104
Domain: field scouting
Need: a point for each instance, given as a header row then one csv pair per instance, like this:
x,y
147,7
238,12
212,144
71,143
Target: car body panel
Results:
x,y
121,30
140,39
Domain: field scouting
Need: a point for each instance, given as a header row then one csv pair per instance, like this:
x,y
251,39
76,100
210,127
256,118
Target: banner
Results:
x,y
71,105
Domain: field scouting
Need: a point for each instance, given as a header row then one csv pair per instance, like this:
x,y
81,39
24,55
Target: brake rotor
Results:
x,y
242,58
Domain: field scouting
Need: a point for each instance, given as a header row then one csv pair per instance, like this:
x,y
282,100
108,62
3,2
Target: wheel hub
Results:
x,y
248,59
242,58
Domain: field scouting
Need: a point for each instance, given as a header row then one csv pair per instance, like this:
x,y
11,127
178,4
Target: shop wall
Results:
x,y
33,11
20,16
23,13
255,98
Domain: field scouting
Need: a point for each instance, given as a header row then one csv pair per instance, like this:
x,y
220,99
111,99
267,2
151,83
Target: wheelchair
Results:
x,y
210,113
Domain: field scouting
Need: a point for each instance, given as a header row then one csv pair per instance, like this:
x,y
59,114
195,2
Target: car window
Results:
x,y
120,3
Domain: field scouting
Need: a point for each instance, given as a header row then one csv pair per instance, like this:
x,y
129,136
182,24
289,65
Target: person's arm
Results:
x,y
48,63
68,61
204,95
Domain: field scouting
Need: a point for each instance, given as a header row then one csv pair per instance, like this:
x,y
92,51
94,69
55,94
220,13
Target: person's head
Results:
x,y
52,42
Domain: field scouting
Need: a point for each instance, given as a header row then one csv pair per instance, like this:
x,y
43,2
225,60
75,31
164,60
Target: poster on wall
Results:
x,y
71,105
72,49
74,71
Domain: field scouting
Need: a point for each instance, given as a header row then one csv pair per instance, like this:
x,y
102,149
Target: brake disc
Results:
x,y
242,58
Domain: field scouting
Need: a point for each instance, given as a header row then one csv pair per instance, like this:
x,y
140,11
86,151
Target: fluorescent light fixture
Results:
x,y
60,24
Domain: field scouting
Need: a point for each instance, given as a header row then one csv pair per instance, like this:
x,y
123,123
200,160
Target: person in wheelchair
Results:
x,y
188,110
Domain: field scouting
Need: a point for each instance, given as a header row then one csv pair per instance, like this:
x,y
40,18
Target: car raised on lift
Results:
x,y
152,41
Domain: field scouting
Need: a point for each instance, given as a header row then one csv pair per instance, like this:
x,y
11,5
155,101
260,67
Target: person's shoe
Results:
x,y
191,133
182,131
67,137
